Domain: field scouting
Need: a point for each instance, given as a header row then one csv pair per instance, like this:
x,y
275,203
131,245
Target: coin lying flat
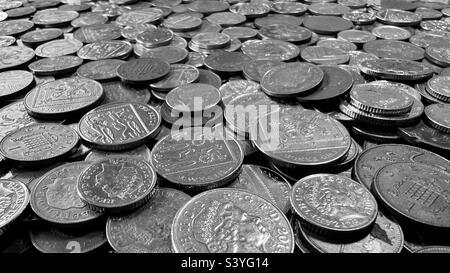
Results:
x,y
54,18
226,62
14,82
194,97
254,230
438,116
14,27
127,234
396,69
13,56
426,136
6,41
394,49
15,198
54,198
100,70
415,191
64,96
144,70
119,126
293,79
116,184
39,143
438,88
284,32
398,17
235,88
324,55
105,50
338,44
95,33
270,50
117,91
170,54
55,66
13,117
327,24
265,183
39,36
391,33
59,47
255,69
304,138
87,19
141,152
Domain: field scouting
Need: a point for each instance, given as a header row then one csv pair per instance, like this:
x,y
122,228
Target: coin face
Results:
x,y
13,82
333,203
57,48
398,17
100,70
154,219
227,62
117,91
266,183
416,191
426,136
148,15
144,70
438,88
370,161
141,152
13,117
105,50
255,69
360,18
6,41
95,33
183,22
327,24
170,54
54,198
13,56
54,17
396,69
270,50
292,79
39,143
324,55
14,27
55,65
439,116
15,198
306,138
391,33
87,19
64,96
255,231
209,77
118,126
394,49
193,160
337,43
117,184
288,33
193,97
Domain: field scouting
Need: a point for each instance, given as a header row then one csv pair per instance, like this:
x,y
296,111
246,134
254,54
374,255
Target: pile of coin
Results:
x,y
221,126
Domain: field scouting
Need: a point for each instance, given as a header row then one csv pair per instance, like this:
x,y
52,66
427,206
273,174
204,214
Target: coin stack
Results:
x,y
214,126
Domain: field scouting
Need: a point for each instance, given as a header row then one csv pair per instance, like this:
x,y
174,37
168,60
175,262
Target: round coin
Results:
x,y
15,82
423,135
194,97
14,27
394,49
391,33
270,49
15,198
396,69
95,33
58,48
13,56
324,55
398,17
6,41
100,70
39,36
105,50
141,152
145,70
327,24
55,66
254,70
170,54
284,32
438,116
227,62
117,91
438,53
54,18
438,88
88,19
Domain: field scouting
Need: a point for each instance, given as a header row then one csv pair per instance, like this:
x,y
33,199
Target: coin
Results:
x,y
45,4
20,12
293,79
15,198
194,97
54,18
79,8
317,200
324,55
288,33
51,240
141,152
210,40
105,50
249,213
395,69
58,48
37,37
435,25
209,77
270,50
427,38
336,82
64,96
338,44
327,24
394,49
425,136
180,74
170,54
182,22
208,7
143,70
438,88
117,184
226,19
292,8
278,19
357,37
56,65
14,56
398,17
328,9
391,33
250,10
438,116
154,220
255,69
142,16
266,183
206,26
226,62
15,82
438,53
170,155
14,27
434,249
100,70
38,143
414,191
96,33
6,41
13,117
304,138
119,126
241,33
54,198
87,19
360,17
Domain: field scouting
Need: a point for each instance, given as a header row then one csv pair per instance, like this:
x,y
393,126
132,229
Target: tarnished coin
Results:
x,y
195,160
415,191
116,91
130,32
284,32
155,37
251,10
291,8
78,7
439,53
327,24
324,55
370,161
338,44
332,204
360,18
54,198
141,152
278,19
105,50
64,96
196,59
13,117
55,66
88,19
15,82
386,236
380,99
180,74
39,36
117,184
328,9
435,25
141,16
391,33
261,227
182,22
143,70
13,56
100,70
39,143
58,48
255,69
51,240
304,138
54,18
398,17
336,82
96,33
227,62
154,220
119,126
241,33
6,41
210,40
209,77
292,79
194,97
395,69
14,27
14,198
266,183
226,19
438,88
426,136
270,50
170,54
208,7
394,49
434,249
438,116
